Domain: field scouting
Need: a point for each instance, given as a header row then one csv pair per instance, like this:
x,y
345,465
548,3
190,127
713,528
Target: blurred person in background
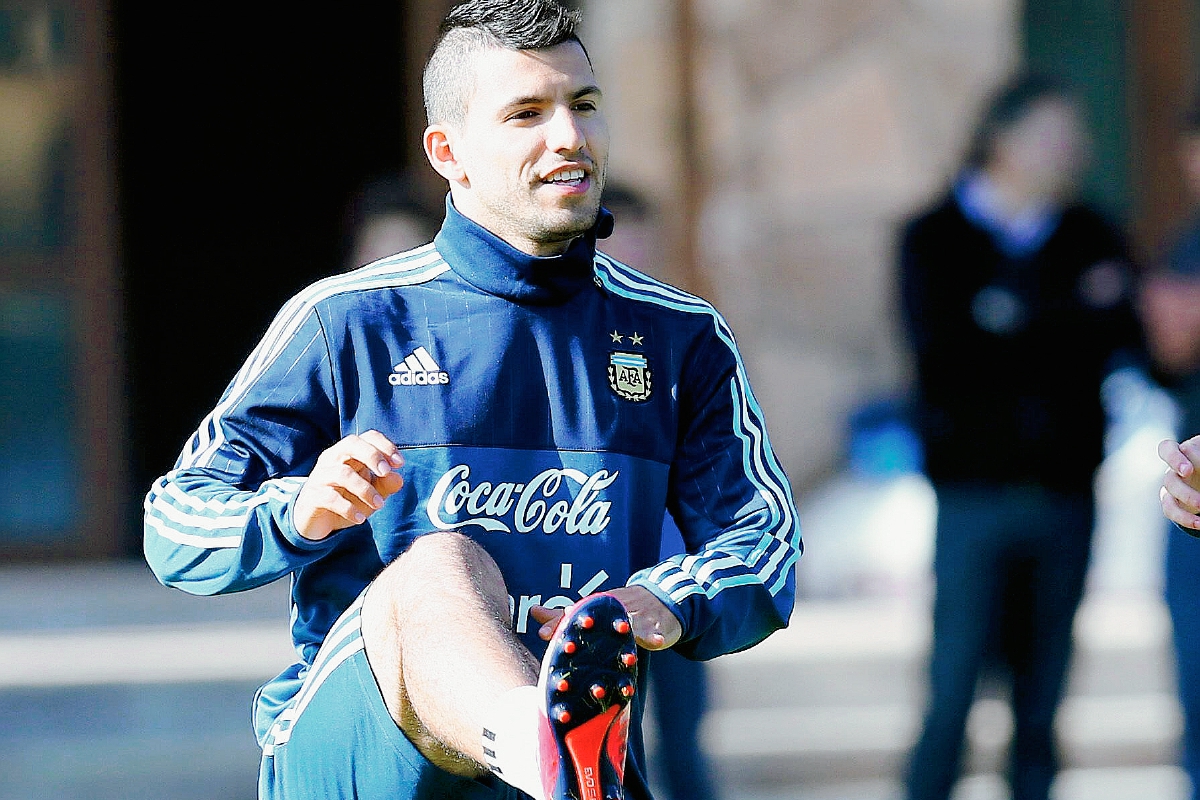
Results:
x,y
679,692
1170,302
386,216
1017,301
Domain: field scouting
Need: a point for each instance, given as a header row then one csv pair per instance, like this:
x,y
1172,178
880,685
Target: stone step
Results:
x,y
838,696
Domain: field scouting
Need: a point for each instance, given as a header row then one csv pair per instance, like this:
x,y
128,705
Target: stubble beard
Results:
x,y
544,228
551,231
552,228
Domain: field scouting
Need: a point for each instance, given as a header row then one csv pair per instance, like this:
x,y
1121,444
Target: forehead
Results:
x,y
503,76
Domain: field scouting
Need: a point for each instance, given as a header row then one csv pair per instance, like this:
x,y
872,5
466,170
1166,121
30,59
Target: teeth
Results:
x,y
568,175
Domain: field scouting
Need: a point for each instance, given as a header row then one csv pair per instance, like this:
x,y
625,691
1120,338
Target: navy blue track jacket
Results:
x,y
550,408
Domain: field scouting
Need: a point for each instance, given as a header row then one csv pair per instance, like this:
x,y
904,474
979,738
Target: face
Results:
x,y
1047,147
382,235
529,160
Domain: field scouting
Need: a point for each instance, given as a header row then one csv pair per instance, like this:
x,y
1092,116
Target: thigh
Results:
x,y
968,564
679,689
337,739
969,574
1059,560
1055,563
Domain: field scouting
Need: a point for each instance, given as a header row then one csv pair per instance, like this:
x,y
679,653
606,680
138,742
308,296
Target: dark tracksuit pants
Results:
x,y
1009,565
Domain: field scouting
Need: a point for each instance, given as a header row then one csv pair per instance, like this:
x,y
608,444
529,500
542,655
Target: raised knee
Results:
x,y
449,561
448,552
443,544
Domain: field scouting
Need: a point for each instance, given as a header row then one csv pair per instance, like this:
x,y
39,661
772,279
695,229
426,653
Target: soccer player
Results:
x,y
462,455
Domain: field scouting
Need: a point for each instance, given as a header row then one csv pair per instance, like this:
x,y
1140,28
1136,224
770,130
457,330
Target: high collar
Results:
x,y
489,263
1018,235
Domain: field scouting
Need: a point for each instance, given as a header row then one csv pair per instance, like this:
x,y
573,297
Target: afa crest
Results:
x,y
629,376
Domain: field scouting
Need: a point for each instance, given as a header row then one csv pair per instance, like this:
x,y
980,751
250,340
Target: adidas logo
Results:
x,y
419,369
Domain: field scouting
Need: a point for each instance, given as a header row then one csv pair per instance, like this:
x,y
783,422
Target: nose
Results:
x,y
564,132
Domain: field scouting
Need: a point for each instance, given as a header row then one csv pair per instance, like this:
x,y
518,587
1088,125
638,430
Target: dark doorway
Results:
x,y
243,131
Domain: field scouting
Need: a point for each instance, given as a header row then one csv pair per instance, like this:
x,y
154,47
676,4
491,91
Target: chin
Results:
x,y
565,227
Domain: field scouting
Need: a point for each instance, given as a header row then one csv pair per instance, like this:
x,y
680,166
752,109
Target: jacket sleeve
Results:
x,y
220,521
735,585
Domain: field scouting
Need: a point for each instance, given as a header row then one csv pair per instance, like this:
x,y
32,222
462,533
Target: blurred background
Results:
x,y
169,177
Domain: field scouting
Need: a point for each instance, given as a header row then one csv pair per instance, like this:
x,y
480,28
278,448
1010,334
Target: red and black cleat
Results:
x,y
589,677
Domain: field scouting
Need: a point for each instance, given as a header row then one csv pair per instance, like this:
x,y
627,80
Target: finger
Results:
x,y
348,480
345,511
1181,493
385,446
1169,451
650,637
543,614
1191,451
388,485
548,618
652,641
1174,513
648,632
356,449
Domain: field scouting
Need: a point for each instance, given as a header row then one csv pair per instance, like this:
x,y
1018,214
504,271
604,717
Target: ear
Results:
x,y
439,141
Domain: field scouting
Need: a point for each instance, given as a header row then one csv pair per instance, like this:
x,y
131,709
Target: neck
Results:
x,y
497,266
1015,193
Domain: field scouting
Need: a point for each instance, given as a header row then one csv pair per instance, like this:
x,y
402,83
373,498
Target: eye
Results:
x,y
586,106
523,114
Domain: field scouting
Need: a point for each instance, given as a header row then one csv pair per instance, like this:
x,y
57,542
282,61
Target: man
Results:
x,y
678,685
1017,303
387,215
449,447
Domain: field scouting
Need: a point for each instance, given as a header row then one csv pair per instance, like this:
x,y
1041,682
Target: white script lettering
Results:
x,y
534,506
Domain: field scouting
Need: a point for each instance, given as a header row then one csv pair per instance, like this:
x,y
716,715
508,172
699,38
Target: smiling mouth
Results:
x,y
567,177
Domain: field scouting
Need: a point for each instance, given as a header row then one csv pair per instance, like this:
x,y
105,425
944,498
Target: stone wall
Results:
x,y
822,125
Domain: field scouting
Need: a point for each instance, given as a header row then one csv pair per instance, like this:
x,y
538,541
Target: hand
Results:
x,y
654,626
1180,492
349,483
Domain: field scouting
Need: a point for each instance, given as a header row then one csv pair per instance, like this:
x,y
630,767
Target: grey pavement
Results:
x,y
105,694
112,687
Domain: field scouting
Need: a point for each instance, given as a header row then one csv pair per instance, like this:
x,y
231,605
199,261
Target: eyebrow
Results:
x,y
534,99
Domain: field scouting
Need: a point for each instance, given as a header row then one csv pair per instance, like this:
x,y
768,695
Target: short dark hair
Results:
x,y
475,24
1010,104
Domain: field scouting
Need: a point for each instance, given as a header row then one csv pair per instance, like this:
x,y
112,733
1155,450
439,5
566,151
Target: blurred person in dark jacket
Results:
x,y
1170,303
1018,302
679,686
387,215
